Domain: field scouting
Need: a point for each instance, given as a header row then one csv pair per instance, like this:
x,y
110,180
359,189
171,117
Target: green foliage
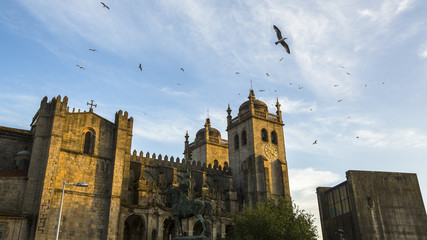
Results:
x,y
273,221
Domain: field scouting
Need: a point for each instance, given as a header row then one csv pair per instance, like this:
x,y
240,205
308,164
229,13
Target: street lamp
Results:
x,y
79,184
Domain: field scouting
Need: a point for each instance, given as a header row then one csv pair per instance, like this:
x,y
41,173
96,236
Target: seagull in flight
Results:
x,y
237,72
280,59
93,50
179,84
262,90
336,85
80,67
140,67
281,39
182,69
104,5
268,75
299,87
340,100
348,73
315,142
341,66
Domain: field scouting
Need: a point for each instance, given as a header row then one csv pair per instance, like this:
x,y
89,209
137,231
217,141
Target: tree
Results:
x,y
273,221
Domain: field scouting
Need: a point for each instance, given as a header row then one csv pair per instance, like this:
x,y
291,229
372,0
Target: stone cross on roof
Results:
x,y
91,105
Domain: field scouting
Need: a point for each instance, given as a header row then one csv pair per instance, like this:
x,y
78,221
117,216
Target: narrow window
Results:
x,y
274,137
236,142
264,135
89,143
215,164
244,138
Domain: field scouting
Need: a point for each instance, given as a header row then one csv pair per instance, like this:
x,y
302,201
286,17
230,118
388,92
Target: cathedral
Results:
x,y
123,198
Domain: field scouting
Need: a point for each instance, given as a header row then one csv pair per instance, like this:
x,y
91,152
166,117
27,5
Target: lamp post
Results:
x,y
79,184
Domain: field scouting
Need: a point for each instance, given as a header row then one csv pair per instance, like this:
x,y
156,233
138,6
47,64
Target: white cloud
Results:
x,y
303,184
422,51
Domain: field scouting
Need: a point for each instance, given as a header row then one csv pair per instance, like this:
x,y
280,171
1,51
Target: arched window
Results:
x,y
244,138
89,142
264,135
236,142
274,137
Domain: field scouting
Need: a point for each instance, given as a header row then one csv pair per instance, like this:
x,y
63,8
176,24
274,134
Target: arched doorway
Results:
x,y
134,228
169,229
197,228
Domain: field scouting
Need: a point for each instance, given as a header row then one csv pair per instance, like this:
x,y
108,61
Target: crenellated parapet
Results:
x,y
180,164
123,120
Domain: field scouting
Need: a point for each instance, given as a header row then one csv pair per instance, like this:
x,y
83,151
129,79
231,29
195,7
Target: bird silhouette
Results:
x,y
140,67
315,142
179,84
341,66
81,67
237,72
93,50
299,87
182,69
280,59
357,136
366,85
348,73
262,90
104,5
268,75
340,100
281,39
336,85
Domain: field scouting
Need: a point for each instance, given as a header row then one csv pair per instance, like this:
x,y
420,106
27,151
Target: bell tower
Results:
x,y
257,152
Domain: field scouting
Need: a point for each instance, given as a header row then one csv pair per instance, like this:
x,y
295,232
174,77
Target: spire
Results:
x,y
251,95
278,112
187,154
208,123
228,116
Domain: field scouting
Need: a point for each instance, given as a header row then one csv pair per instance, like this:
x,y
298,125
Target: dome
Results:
x,y
258,104
213,132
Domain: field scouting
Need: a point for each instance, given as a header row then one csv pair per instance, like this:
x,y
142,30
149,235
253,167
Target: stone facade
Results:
x,y
373,205
123,199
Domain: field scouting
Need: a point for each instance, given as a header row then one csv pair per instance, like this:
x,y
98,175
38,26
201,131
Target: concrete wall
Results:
x,y
388,205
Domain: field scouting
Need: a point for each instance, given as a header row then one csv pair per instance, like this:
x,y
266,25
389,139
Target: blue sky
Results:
x,y
381,44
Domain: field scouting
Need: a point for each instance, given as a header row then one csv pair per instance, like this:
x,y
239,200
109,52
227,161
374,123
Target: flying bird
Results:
x,y
182,69
179,84
366,85
237,72
315,142
268,75
104,5
281,39
299,87
290,83
140,67
357,137
262,90
93,50
80,67
336,85
348,73
341,66
280,59
340,100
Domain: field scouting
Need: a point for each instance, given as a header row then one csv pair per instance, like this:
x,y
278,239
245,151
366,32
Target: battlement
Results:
x,y
122,118
159,160
54,104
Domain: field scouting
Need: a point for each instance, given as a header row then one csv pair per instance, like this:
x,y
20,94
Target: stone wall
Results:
x,y
12,190
12,141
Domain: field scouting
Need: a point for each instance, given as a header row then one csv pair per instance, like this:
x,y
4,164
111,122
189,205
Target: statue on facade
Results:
x,y
183,207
